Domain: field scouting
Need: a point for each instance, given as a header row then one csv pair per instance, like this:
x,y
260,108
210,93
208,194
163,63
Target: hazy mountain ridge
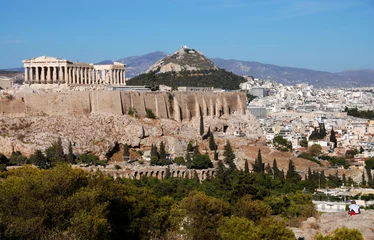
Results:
x,y
136,65
291,75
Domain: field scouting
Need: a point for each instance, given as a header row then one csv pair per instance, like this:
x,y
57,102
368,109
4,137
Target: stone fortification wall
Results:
x,y
177,105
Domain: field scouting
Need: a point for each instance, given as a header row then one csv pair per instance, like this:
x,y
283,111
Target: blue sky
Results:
x,y
329,35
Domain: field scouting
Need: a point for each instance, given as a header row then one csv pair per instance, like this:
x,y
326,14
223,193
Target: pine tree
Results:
x,y
246,168
154,152
268,169
70,157
363,181
333,138
281,175
229,156
344,179
189,147
212,143
291,172
201,123
126,150
276,172
162,151
55,153
167,173
196,151
310,175
258,167
215,155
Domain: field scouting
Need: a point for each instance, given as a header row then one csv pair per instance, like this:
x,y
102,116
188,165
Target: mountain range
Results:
x,y
136,65
285,75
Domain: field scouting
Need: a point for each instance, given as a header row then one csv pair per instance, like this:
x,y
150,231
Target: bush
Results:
x,y
179,161
150,113
117,167
132,112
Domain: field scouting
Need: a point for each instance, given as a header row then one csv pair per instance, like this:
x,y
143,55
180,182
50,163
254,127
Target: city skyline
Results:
x,y
321,35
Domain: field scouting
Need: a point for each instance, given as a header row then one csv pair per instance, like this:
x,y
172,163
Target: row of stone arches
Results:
x,y
177,173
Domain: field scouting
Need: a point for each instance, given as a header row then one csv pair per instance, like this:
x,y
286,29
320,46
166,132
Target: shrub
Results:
x,y
132,112
150,113
117,167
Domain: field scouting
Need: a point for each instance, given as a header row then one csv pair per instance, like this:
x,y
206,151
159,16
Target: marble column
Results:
x,y
31,75
124,77
103,76
37,79
54,75
90,76
26,74
85,75
74,75
60,75
97,77
93,75
66,77
42,75
120,77
81,75
117,76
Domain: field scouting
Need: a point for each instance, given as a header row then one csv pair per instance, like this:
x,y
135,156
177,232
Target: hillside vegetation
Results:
x,y
200,78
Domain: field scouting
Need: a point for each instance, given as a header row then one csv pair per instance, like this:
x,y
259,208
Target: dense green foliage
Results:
x,y
336,161
203,78
62,203
318,132
369,114
342,233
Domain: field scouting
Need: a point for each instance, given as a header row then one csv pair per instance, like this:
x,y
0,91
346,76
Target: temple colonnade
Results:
x,y
48,70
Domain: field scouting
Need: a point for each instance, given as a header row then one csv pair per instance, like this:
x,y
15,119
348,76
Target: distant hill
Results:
x,y
184,59
292,76
136,65
187,67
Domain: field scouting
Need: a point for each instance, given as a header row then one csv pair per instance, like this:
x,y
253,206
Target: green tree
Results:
x,y
304,142
315,150
70,157
215,155
253,210
246,167
203,213
201,162
268,169
212,143
189,147
229,156
162,151
291,172
17,158
237,228
258,166
279,141
55,153
39,160
126,150
342,233
154,152
201,125
276,172
333,138
179,161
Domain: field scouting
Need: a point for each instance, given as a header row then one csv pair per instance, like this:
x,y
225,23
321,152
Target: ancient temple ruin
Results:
x,y
50,70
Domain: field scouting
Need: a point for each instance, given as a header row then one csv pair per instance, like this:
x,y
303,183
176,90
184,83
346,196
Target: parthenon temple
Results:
x,y
50,70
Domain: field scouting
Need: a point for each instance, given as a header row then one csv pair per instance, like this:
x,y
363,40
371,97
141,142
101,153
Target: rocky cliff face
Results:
x,y
97,132
184,59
